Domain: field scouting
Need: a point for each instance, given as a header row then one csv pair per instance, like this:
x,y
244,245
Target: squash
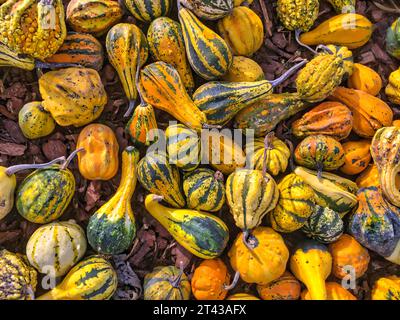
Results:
x,y
73,96
183,147
351,30
93,16
157,175
392,89
209,9
260,257
295,205
369,113
166,283
208,54
286,287
386,288
375,224
365,79
56,247
204,190
332,119
334,291
161,86
91,279
142,126
242,30
210,279
323,225
346,251
35,122
148,10
244,69
311,263
9,58
242,296
202,234
356,156
393,39
298,15
99,159
250,195
166,43
343,6
237,3
369,177
111,229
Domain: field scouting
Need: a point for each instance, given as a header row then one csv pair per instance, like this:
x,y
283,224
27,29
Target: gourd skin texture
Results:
x,y
356,156
343,5
242,296
203,234
365,79
99,159
393,39
286,287
9,58
7,188
244,69
91,279
58,245
298,14
18,279
369,177
386,288
143,125
148,10
334,291
392,89
111,229
35,122
209,9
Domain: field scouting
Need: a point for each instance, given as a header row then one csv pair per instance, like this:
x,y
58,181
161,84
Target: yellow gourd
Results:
x,y
35,122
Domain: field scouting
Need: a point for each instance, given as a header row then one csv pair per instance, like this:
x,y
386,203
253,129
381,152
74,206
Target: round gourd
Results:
x,y
143,125
55,248
148,10
286,287
356,156
365,79
392,89
393,39
334,291
386,288
242,296
244,69
298,14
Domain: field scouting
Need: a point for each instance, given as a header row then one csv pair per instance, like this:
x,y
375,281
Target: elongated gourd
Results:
x,y
9,58
209,9
365,79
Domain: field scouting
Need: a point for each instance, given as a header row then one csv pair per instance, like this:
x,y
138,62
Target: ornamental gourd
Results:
x,y
242,296
209,9
392,89
369,177
244,69
143,125
334,291
342,6
112,228
393,39
386,288
202,234
286,287
298,15
9,58
365,79
148,10
356,156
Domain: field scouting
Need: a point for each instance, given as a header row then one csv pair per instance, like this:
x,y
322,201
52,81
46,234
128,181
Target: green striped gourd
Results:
x,y
148,10
157,175
8,58
143,125
209,9
92,279
56,247
204,189
203,234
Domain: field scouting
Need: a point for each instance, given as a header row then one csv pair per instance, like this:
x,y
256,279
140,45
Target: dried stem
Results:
x,y
14,169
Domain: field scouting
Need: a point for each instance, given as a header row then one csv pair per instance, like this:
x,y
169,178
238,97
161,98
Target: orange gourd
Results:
x,y
369,177
286,287
365,79
356,156
334,291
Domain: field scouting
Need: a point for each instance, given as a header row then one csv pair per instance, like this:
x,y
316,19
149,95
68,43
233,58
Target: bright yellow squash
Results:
x,y
244,69
35,122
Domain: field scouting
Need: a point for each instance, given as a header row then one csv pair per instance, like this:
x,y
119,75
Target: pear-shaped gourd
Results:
x,y
209,9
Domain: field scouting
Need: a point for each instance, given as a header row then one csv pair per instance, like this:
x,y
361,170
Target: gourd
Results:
x,y
111,229
142,126
208,54
244,69
286,287
204,190
91,279
73,96
347,29
9,58
369,177
210,279
356,156
237,3
332,119
157,175
18,278
393,39
311,263
346,251
375,224
202,234
386,288
148,10
32,27
250,195
183,147
365,79
295,205
209,9
99,159
334,291
342,6
369,113
392,89
166,43
260,257
344,53
330,190
35,122
298,15
161,86
242,296
323,225
242,30
56,247
93,16
166,283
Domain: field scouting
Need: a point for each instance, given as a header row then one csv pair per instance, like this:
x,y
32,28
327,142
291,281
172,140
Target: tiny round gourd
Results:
x,y
386,288
334,291
35,122
356,157
286,287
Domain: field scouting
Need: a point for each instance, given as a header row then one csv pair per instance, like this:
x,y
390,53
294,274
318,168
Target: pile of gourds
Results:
x,y
267,195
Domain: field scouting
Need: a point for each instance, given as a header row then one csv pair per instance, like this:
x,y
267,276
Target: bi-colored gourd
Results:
x,y
393,39
112,228
148,10
386,288
392,89
9,58
209,9
203,234
286,287
298,15
142,127
342,6
244,69
356,156
365,79
334,291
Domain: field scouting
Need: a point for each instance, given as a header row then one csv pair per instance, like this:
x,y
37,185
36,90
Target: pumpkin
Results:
x,y
342,6
334,291
356,156
244,69
209,9
202,234
91,279
204,190
369,177
250,195
298,15
386,288
295,205
328,118
260,257
242,296
210,279
346,251
148,10
56,247
392,89
286,287
111,229
393,39
142,125
18,278
99,159
365,79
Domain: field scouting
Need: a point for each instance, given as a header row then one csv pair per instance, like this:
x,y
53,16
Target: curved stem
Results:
x,y
177,281
288,73
158,198
324,47
291,162
14,169
179,4
70,157
234,282
297,36
267,146
249,243
131,106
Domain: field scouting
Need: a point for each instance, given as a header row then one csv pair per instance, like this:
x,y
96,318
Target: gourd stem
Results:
x,y
319,167
30,292
267,146
46,65
288,73
246,235
297,35
218,175
177,281
290,145
70,157
178,3
234,282
325,48
158,198
14,169
131,106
